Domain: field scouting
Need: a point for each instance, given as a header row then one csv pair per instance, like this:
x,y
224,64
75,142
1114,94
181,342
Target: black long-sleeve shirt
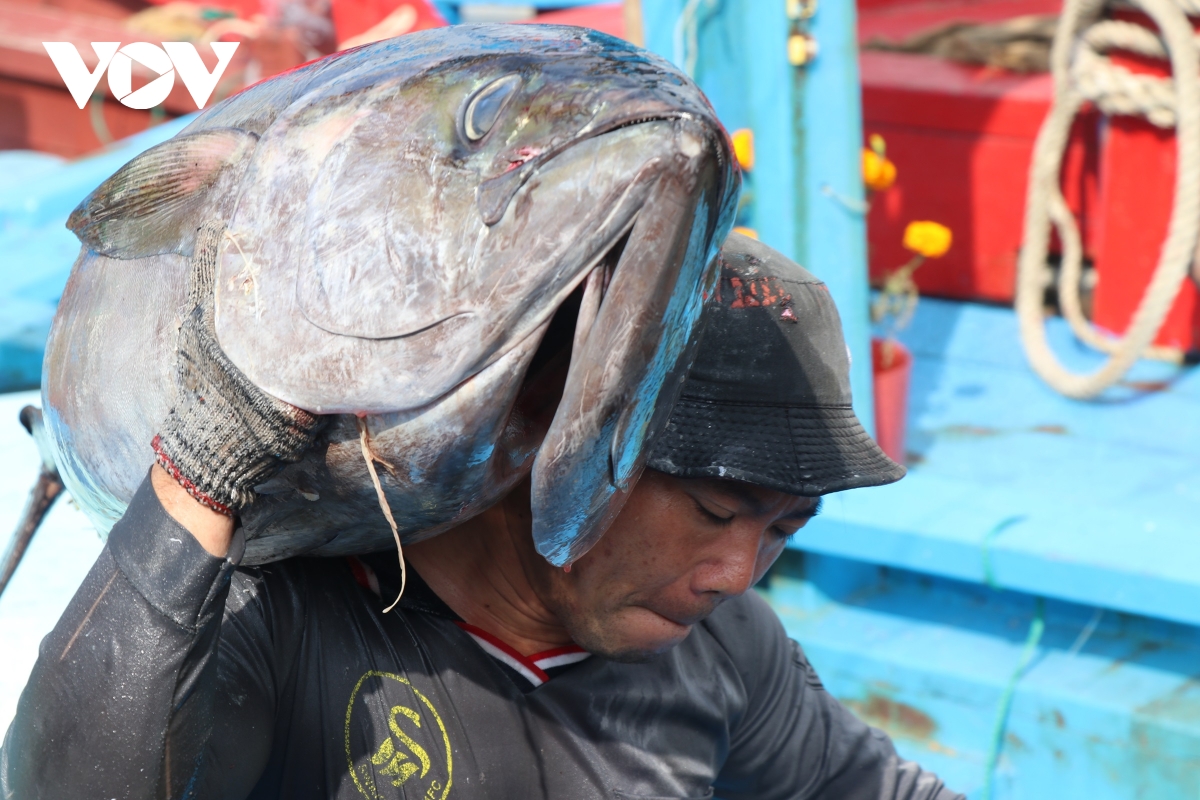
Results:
x,y
176,674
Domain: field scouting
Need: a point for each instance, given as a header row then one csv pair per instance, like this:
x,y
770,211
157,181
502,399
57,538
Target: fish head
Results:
x,y
634,150
452,209
403,223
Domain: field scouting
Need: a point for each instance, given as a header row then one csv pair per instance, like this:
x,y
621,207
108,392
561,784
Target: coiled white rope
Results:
x,y
1082,73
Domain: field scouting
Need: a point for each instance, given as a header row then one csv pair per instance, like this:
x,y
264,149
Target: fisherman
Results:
x,y
646,669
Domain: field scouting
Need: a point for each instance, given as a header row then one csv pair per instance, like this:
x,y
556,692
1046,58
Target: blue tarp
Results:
x,y
37,194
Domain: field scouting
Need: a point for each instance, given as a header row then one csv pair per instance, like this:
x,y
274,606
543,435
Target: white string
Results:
x,y
370,457
251,270
1086,633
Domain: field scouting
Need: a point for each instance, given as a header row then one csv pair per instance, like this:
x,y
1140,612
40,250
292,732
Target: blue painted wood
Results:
x,y
1113,715
807,129
832,234
1096,501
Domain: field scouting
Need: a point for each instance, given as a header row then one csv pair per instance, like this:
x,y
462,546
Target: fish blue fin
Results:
x,y
155,203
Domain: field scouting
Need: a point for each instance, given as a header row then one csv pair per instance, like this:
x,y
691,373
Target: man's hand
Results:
x,y
224,435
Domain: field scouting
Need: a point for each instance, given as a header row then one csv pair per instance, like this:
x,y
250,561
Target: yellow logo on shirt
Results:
x,y
398,739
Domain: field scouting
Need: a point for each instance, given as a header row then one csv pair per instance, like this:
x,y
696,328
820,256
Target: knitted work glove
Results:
x,y
225,435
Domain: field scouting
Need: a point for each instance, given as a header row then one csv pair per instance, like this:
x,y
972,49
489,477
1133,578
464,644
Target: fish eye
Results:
x,y
484,108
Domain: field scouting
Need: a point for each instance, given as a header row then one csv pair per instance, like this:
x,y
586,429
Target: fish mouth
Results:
x,y
494,194
566,333
631,346
591,291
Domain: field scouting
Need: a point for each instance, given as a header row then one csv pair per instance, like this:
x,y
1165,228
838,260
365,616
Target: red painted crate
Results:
x,y
962,139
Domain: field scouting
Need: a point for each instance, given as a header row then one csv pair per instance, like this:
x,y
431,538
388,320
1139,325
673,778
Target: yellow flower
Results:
x,y
743,148
878,172
929,239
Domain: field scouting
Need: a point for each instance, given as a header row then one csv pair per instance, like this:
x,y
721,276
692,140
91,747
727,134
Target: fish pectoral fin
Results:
x,y
155,203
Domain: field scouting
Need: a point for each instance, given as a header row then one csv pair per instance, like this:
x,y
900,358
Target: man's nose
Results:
x,y
729,570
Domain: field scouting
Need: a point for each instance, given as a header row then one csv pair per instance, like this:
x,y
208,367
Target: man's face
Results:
x,y
676,551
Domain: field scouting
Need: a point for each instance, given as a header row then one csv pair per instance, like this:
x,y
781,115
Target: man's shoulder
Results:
x,y
304,586
290,583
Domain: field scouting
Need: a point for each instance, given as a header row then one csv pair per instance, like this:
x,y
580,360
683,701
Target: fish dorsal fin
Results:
x,y
154,203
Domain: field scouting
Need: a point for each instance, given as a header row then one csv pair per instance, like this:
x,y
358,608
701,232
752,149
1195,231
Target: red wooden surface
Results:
x,y
40,117
26,26
114,9
962,139
606,17
896,20
352,17
1138,170
1138,184
37,112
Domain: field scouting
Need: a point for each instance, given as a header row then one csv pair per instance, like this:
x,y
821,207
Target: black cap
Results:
x,y
767,400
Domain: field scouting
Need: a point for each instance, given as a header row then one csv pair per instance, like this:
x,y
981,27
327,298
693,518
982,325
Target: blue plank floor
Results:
x,y
1089,502
56,562
1108,709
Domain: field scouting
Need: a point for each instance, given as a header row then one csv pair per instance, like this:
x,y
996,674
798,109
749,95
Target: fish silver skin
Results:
x,y
403,220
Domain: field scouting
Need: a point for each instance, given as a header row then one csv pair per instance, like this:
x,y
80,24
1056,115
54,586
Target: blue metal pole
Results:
x,y
832,236
805,192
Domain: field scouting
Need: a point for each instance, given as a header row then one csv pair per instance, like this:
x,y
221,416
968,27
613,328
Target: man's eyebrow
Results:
x,y
742,493
747,496
807,513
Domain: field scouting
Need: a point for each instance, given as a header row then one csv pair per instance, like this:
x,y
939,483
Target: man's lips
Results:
x,y
683,619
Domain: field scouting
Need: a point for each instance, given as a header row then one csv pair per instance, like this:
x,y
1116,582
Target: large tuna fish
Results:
x,y
404,222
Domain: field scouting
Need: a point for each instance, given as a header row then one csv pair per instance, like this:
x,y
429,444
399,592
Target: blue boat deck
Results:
x,y
915,601
1089,502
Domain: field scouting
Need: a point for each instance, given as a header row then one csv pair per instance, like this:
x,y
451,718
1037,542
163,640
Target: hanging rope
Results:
x,y
1083,73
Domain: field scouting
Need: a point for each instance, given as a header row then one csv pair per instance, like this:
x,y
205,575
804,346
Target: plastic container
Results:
x,y
891,364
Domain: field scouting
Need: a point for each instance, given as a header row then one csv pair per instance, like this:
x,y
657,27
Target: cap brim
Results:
x,y
805,451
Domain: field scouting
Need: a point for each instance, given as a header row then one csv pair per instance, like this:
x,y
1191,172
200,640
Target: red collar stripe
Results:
x,y
533,667
506,655
364,576
560,657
